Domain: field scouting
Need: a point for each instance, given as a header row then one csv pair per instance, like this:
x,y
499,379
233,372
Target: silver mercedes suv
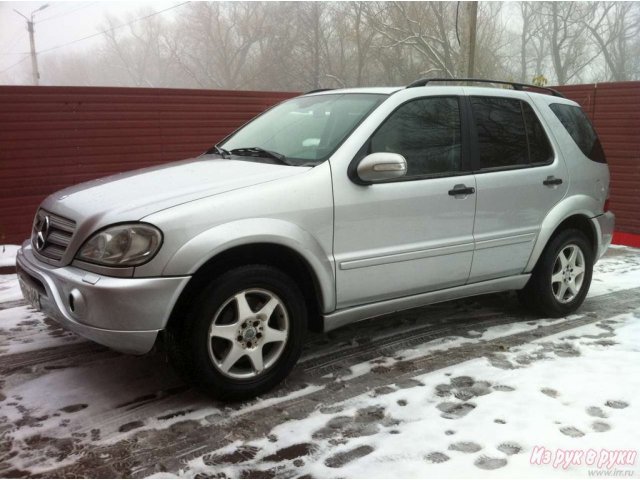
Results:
x,y
329,208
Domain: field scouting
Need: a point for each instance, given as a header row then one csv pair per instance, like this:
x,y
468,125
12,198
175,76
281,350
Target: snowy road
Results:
x,y
463,389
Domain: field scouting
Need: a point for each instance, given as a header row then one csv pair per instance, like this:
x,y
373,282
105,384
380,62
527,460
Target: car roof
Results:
x,y
376,90
439,89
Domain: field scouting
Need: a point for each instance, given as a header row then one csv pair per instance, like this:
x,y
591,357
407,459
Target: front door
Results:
x,y
414,234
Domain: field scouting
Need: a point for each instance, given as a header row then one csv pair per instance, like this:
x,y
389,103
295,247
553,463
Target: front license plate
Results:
x,y
30,294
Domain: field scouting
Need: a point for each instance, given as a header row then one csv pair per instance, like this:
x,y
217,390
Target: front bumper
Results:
x,y
124,314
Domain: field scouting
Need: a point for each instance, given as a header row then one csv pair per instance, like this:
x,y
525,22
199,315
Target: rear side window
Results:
x,y
576,122
509,134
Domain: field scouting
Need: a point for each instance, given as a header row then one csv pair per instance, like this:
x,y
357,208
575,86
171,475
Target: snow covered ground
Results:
x,y
8,255
475,388
576,391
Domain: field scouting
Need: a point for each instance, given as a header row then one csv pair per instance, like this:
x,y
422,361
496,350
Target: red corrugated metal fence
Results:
x,y
53,137
614,108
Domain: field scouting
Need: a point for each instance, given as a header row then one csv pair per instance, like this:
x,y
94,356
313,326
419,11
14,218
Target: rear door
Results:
x,y
519,178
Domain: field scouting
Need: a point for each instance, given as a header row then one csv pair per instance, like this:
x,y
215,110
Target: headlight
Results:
x,y
122,245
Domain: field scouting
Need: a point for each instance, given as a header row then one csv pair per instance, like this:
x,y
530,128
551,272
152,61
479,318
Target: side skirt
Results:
x,y
345,316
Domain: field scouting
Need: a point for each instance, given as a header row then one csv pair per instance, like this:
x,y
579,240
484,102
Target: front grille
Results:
x,y
51,234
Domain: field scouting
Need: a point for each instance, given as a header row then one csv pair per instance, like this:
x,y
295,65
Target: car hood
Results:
x,y
133,195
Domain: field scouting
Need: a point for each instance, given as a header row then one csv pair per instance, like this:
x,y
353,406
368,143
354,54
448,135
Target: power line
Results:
x,y
68,12
61,14
15,64
15,37
94,35
111,29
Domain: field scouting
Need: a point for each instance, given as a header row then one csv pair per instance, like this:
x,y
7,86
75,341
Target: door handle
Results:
x,y
551,180
461,190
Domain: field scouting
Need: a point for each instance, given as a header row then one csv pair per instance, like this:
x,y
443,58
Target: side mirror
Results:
x,y
381,166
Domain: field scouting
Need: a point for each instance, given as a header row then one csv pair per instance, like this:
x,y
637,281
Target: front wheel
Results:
x,y
561,279
244,333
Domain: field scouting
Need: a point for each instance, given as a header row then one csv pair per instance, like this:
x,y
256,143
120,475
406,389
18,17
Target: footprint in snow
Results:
x,y
510,448
571,432
436,457
463,388
409,383
74,408
292,452
499,360
464,395
601,426
550,392
465,447
503,388
342,458
366,422
127,427
616,404
454,411
331,409
443,390
242,454
385,390
596,412
488,463
463,381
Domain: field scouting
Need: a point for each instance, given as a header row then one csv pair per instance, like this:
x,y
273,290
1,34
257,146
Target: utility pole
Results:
x,y
473,20
32,41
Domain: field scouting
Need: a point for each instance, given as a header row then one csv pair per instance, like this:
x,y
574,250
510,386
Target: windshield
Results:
x,y
305,130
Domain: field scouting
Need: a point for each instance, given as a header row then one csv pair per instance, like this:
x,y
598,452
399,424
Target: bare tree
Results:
x,y
216,42
613,25
304,45
421,26
564,24
530,27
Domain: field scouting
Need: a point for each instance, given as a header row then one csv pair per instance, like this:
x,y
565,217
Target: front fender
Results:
x,y
200,249
568,207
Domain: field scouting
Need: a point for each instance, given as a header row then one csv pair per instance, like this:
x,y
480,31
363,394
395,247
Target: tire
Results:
x,y
558,297
269,324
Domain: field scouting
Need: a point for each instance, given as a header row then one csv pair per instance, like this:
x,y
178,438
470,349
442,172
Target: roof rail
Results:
x,y
318,90
516,86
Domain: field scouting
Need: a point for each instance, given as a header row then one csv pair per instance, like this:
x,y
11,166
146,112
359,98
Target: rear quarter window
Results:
x,y
578,125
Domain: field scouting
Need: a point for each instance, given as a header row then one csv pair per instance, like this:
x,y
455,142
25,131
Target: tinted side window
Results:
x,y
426,132
501,132
580,129
540,151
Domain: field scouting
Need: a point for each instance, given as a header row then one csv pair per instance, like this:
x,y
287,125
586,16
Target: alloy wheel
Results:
x,y
248,333
568,273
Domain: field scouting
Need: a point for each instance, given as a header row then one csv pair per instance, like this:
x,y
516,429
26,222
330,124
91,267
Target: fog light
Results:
x,y
76,302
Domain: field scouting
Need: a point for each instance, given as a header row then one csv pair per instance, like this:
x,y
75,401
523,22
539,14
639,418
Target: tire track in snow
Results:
x,y
321,355
151,451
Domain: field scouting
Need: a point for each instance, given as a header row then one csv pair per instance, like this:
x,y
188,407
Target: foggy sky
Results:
x,y
63,22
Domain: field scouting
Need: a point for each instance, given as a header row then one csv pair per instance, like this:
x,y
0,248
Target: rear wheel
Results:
x,y
560,281
244,333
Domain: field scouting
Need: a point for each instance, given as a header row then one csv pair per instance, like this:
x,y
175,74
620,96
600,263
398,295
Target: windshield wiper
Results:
x,y
220,151
260,152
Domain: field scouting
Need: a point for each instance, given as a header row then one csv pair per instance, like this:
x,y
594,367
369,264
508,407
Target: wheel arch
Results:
x,y
278,244
575,212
